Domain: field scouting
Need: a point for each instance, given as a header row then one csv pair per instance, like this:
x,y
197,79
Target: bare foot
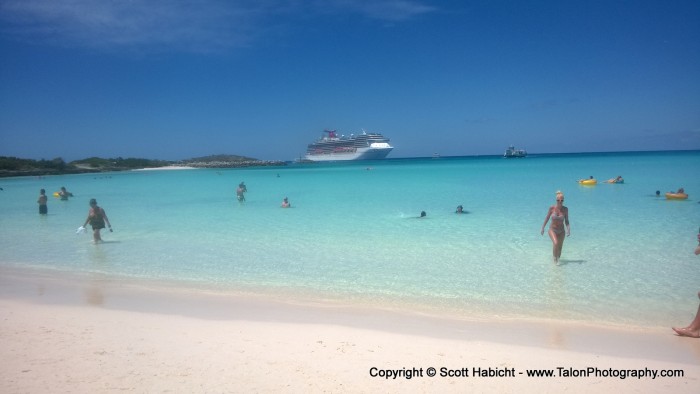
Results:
x,y
686,332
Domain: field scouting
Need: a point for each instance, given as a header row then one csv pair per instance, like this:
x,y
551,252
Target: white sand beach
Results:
x,y
165,168
98,334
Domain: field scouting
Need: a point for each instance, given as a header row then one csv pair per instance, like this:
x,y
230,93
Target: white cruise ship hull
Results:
x,y
371,153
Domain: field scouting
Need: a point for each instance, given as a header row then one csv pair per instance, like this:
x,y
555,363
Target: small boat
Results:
x,y
511,152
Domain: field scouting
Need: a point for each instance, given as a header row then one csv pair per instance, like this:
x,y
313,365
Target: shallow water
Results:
x,y
352,234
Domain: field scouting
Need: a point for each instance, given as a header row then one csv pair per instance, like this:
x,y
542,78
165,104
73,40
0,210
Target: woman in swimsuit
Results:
x,y
97,219
559,226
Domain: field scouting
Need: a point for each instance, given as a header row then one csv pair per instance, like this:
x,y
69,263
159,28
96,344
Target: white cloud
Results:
x,y
183,25
388,10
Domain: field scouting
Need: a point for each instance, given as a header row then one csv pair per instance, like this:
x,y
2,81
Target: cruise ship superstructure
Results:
x,y
332,147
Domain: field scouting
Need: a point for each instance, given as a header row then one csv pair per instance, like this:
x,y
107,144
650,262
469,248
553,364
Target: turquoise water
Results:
x,y
352,235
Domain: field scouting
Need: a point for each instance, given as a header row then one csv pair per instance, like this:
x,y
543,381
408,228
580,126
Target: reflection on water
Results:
x,y
94,293
557,339
558,304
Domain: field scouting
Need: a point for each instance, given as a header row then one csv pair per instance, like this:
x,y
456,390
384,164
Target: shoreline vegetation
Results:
x,y
11,166
14,166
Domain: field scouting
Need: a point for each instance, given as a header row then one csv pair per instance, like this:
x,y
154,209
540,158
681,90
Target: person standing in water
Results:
x,y
42,201
97,219
240,192
559,229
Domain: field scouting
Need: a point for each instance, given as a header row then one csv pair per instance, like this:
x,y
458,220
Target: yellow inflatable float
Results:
x,y
588,181
676,196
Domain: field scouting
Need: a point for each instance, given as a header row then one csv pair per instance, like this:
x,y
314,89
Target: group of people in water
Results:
x,y
560,228
43,200
557,217
592,181
97,217
677,195
460,209
242,189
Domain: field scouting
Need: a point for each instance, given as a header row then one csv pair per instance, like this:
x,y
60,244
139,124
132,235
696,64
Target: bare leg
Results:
x,y
556,247
560,237
96,235
693,330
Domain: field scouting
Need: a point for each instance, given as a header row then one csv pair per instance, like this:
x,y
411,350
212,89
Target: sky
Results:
x,y
177,79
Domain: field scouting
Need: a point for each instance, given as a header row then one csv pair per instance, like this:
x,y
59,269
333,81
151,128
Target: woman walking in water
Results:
x,y
97,219
559,228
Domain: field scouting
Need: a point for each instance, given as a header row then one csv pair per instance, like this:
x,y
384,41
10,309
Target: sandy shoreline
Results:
x,y
88,335
166,168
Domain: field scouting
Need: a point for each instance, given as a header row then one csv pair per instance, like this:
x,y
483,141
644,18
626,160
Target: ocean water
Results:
x,y
352,235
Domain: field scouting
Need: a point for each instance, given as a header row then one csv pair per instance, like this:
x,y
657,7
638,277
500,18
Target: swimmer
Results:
x,y
285,203
658,193
559,225
64,194
422,214
618,179
459,209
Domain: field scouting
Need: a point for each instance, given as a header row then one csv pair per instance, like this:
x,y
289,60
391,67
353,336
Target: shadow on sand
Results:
x,y
565,262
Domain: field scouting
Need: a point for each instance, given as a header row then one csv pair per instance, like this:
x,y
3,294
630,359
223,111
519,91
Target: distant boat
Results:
x,y
365,146
511,152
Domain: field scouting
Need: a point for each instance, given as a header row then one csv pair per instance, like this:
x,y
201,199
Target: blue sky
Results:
x,y
263,78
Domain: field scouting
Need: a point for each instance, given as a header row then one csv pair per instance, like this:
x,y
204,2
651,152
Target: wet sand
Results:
x,y
95,334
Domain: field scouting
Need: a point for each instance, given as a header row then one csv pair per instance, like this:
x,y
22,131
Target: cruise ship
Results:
x,y
365,146
511,152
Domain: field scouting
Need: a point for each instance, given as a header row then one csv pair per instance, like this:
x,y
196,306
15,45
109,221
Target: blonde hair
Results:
x,y
559,194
